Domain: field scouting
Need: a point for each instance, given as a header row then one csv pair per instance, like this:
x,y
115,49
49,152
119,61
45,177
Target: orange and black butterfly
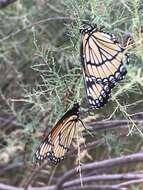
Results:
x,y
56,143
102,59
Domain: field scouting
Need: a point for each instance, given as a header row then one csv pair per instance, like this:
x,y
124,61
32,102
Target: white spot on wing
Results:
x,y
93,103
88,93
90,101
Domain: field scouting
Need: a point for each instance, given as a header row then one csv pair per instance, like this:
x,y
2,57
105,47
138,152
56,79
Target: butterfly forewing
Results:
x,y
103,56
58,141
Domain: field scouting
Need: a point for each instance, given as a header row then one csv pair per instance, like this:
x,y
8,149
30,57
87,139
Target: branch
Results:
x,y
9,167
111,124
115,162
106,177
8,187
124,184
95,187
134,178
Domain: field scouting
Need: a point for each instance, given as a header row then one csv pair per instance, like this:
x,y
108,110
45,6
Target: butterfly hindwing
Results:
x,y
97,94
44,150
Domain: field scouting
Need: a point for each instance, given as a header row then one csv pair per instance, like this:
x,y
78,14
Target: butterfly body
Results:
x,y
57,142
102,60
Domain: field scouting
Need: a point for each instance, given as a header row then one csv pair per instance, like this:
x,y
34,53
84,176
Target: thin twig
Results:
x,y
89,146
10,167
128,183
35,24
95,187
35,172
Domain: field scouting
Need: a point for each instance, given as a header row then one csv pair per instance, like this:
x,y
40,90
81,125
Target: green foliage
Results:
x,y
41,74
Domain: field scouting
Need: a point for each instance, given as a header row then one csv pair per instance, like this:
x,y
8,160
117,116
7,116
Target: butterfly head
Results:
x,y
76,108
87,28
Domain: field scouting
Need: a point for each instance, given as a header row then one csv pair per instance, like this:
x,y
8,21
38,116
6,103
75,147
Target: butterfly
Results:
x,y
57,143
102,58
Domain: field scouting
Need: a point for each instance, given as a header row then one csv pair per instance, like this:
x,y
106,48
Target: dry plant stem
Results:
x,y
69,91
116,162
124,184
89,146
95,187
111,124
134,178
31,177
105,177
52,175
95,166
79,162
7,121
10,167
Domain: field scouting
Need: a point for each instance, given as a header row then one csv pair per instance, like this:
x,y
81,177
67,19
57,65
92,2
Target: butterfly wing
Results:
x,y
57,142
103,57
62,137
97,94
44,149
